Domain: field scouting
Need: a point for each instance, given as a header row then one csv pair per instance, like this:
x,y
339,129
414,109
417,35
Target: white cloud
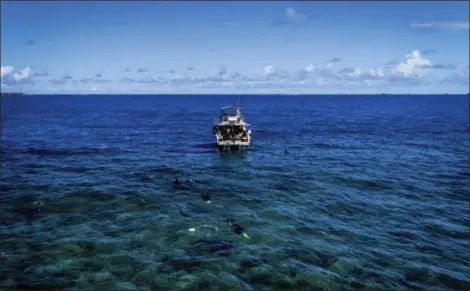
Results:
x,y
293,15
378,72
97,89
23,75
457,25
11,78
358,73
6,70
269,71
414,65
309,68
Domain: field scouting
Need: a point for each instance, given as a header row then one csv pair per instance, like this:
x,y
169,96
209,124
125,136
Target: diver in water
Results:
x,y
206,197
238,229
185,183
37,213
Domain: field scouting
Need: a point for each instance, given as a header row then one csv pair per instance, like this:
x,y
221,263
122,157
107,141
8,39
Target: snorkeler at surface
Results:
x,y
238,229
187,183
206,197
37,213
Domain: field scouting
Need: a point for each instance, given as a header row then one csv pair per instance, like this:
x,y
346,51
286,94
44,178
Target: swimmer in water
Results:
x,y
285,151
36,214
238,229
184,183
206,197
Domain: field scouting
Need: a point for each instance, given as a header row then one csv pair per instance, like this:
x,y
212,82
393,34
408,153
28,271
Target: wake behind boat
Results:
x,y
231,130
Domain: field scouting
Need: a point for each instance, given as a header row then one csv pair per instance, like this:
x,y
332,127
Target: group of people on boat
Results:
x,y
233,132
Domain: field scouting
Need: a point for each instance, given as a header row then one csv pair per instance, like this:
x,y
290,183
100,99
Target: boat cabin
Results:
x,y
230,114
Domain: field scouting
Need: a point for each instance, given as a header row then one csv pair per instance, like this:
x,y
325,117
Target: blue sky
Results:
x,y
235,47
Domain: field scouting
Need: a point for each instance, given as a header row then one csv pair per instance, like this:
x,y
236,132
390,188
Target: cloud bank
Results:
x,y
415,70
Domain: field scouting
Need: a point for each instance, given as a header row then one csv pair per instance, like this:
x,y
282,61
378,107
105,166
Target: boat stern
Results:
x,y
233,144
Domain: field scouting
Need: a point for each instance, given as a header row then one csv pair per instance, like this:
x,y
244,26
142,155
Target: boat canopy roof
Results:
x,y
226,123
230,110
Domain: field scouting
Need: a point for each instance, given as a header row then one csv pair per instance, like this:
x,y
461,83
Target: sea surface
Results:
x,y
335,193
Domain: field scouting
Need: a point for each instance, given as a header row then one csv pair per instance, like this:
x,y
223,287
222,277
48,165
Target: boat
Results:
x,y
230,129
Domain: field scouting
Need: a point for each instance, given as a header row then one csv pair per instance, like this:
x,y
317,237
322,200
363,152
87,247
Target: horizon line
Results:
x,y
227,94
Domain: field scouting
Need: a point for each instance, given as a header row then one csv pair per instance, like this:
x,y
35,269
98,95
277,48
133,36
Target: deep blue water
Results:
x,y
372,193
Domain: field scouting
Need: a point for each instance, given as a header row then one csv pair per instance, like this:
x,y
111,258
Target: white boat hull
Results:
x,y
232,143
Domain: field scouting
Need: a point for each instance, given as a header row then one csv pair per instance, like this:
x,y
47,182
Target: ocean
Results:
x,y
335,193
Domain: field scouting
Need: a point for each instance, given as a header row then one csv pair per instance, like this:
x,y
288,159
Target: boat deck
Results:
x,y
234,143
228,144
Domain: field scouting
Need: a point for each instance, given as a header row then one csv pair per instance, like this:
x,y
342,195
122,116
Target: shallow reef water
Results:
x,y
371,194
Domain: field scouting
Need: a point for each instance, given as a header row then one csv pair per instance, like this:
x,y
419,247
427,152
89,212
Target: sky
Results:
x,y
278,47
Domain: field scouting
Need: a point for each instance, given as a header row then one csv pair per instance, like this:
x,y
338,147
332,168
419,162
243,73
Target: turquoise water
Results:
x,y
372,194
